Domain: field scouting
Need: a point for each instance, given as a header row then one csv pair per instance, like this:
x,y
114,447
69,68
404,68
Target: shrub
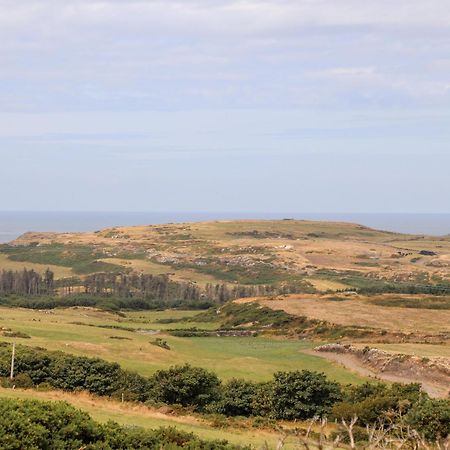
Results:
x,y
431,418
185,385
302,395
23,381
371,402
16,334
236,398
160,343
31,424
262,400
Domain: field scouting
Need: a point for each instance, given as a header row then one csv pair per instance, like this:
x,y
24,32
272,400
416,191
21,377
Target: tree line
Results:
x,y
128,286
27,282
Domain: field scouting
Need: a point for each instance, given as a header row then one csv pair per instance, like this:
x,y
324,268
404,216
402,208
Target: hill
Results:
x,y
323,255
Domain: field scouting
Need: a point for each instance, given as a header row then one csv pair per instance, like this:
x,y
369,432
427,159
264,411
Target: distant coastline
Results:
x,y
13,224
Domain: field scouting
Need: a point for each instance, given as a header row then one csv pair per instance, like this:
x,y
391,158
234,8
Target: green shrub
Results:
x,y
302,395
371,402
16,334
236,398
37,425
431,418
185,386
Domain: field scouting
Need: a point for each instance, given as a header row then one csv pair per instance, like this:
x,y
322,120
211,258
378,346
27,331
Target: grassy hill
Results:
x,y
325,255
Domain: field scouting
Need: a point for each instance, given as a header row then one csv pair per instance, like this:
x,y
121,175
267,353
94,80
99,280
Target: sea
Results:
x,y
15,223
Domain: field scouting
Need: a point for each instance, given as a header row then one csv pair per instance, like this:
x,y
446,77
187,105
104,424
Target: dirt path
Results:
x,y
352,362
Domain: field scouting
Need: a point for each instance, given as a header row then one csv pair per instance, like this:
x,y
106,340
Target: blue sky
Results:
x,y
210,105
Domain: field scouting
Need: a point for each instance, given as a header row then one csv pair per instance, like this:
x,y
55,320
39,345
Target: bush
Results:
x,y
262,400
160,343
31,424
70,373
236,398
23,381
371,402
369,411
302,395
16,334
431,418
185,386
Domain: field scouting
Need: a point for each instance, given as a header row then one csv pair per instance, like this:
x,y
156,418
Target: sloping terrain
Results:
x,y
325,255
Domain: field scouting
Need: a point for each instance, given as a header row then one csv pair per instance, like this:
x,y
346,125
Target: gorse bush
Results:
x,y
236,398
431,418
185,386
302,395
369,402
34,425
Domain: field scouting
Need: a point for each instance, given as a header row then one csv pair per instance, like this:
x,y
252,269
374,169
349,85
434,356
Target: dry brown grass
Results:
x,y
59,271
360,311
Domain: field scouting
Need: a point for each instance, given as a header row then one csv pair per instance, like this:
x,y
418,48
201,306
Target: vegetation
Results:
x,y
296,395
302,395
140,291
56,426
185,386
421,303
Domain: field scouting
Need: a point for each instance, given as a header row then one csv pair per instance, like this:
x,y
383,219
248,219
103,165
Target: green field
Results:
x,y
81,331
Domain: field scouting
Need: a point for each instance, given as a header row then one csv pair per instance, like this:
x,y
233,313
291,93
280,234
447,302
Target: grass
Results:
x,y
424,350
415,302
59,271
327,285
362,311
252,358
152,268
104,410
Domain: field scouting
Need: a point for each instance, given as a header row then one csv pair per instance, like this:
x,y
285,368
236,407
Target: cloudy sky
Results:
x,y
238,105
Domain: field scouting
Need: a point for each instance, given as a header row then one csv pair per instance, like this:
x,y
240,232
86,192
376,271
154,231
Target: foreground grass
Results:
x,y
77,331
129,414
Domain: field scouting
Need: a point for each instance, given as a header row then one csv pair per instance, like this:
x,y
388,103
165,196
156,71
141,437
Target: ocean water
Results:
x,y
13,224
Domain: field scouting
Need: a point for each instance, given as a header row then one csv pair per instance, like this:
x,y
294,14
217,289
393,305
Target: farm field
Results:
x,y
82,331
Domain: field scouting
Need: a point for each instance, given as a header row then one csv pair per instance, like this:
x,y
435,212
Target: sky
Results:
x,y
238,105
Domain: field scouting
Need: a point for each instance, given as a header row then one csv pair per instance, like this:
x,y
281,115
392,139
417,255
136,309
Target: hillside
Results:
x,y
323,255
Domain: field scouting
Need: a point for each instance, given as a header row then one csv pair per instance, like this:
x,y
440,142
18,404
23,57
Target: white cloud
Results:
x,y
150,54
